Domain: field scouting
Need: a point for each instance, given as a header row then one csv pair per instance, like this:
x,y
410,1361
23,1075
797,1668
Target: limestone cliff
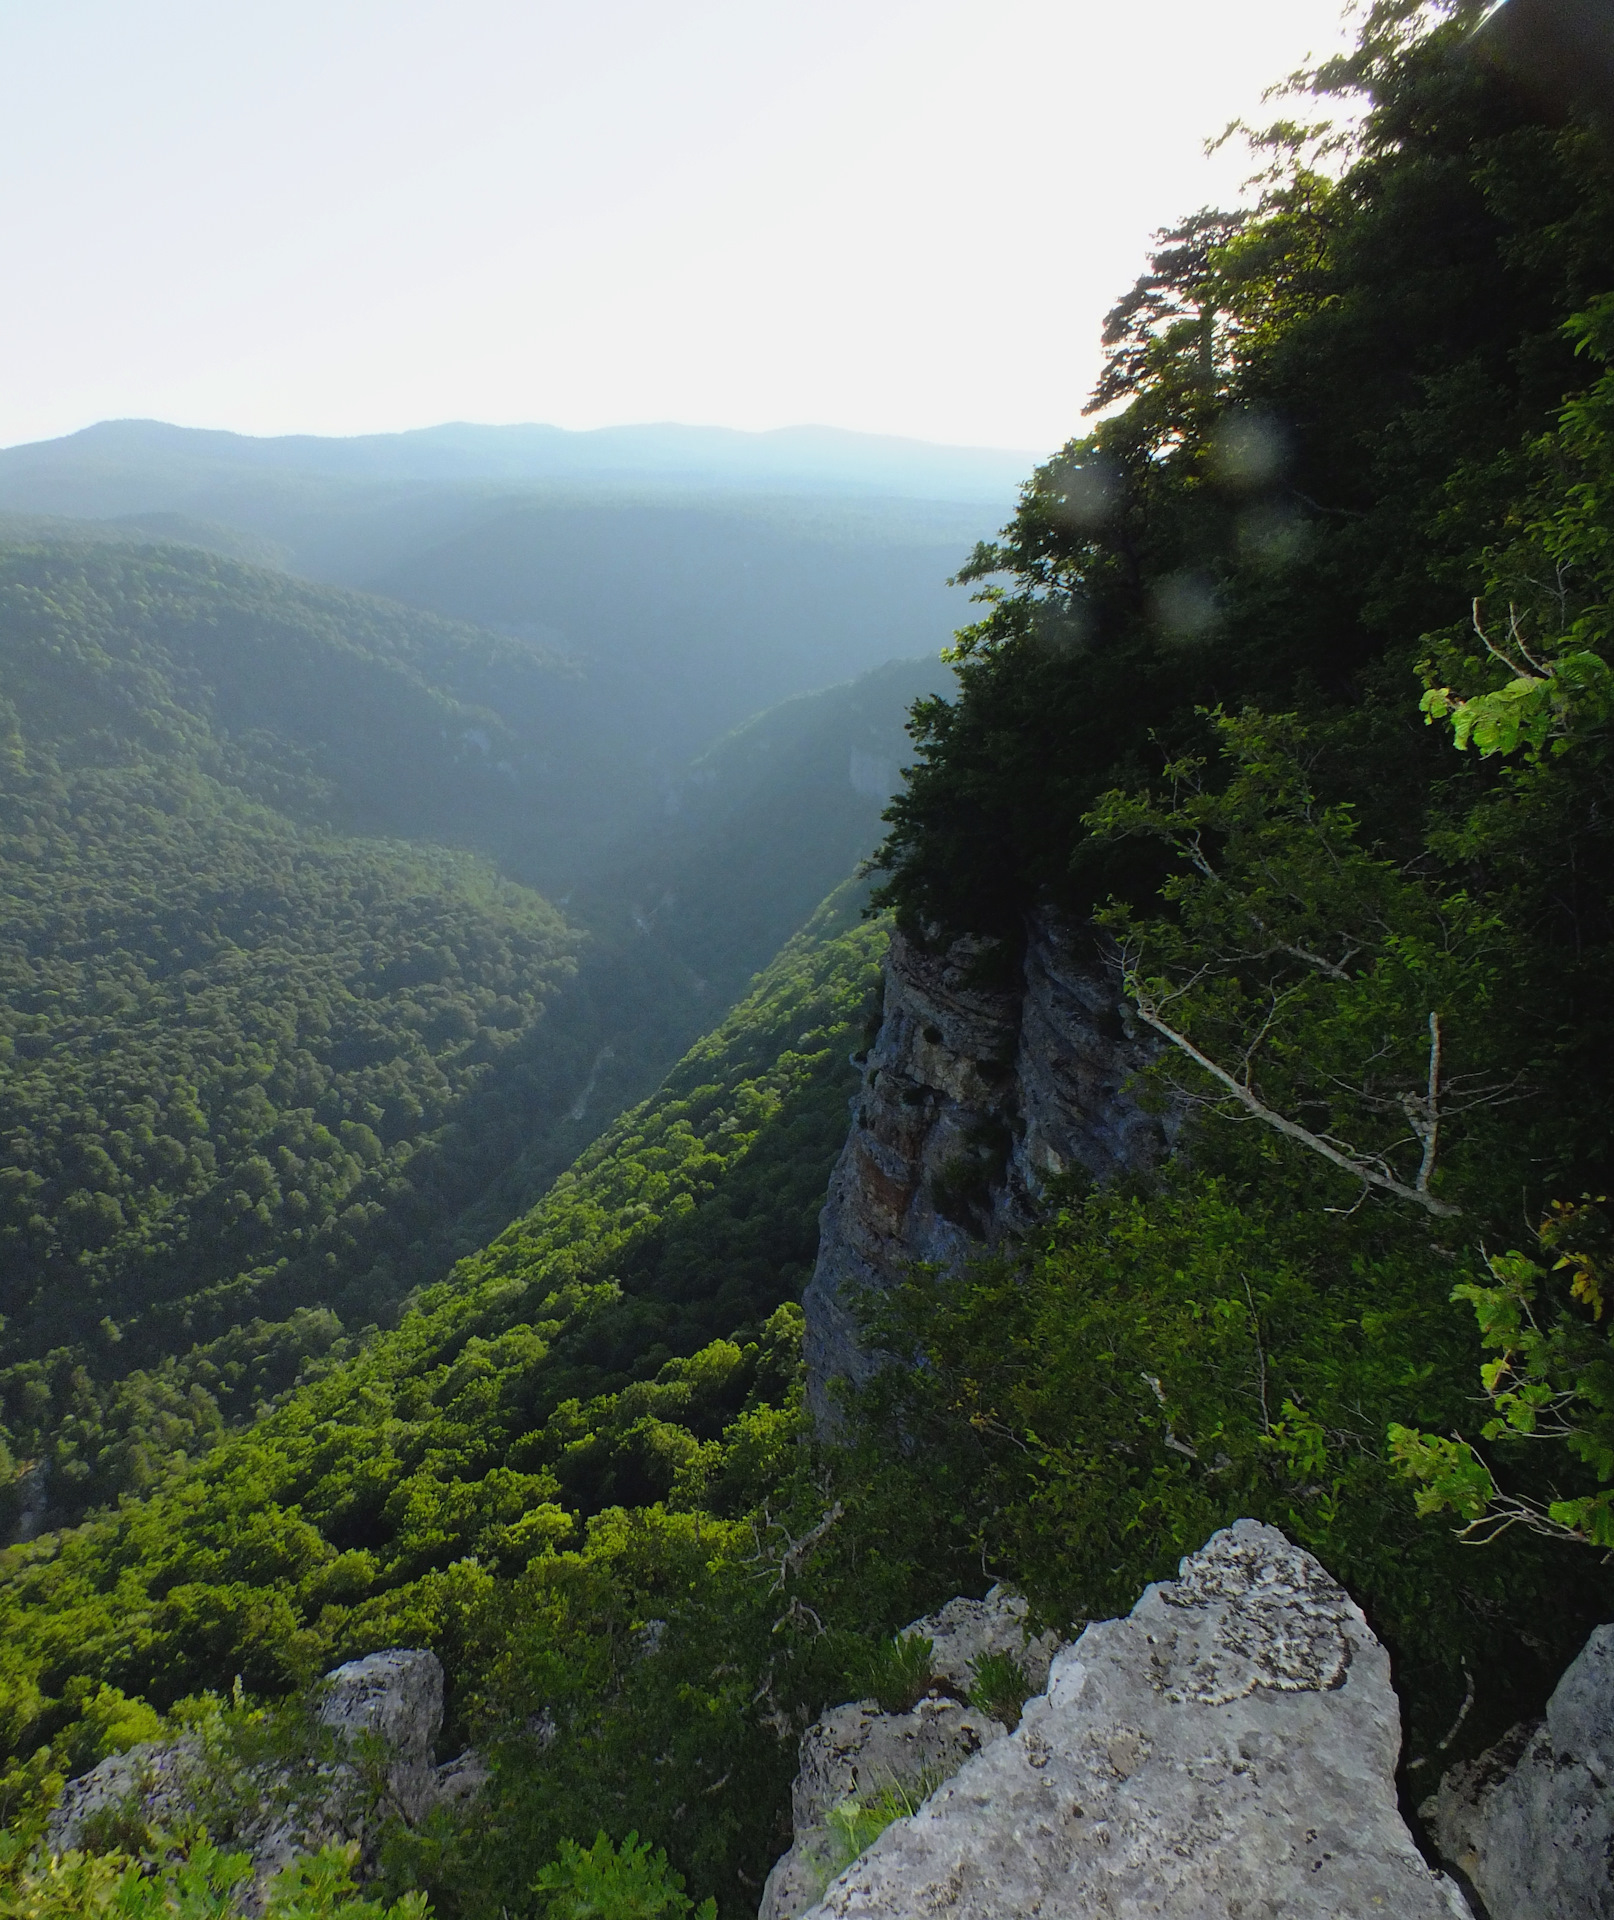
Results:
x,y
1227,1750
974,1097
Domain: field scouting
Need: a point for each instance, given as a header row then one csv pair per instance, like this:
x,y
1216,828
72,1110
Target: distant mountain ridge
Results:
x,y
132,466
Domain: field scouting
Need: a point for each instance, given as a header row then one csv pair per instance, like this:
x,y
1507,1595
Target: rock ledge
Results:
x,y
1227,1749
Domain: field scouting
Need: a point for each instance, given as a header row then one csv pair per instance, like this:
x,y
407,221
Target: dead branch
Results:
x,y
781,1566
1370,1171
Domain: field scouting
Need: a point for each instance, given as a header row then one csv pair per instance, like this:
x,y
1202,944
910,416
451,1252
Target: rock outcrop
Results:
x,y
1228,1749
964,1632
856,1751
1530,1824
392,1699
973,1098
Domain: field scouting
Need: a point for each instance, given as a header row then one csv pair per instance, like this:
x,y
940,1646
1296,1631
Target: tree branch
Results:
x,y
1369,1173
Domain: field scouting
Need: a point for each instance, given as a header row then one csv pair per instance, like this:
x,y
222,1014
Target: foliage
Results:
x,y
1551,1378
1554,570
1551,1381
250,1068
899,1671
558,1446
604,1882
1315,987
263,1074
998,1686
1162,1361
1318,412
193,1880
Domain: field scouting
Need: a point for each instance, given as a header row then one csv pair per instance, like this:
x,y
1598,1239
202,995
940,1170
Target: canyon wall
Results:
x,y
977,1097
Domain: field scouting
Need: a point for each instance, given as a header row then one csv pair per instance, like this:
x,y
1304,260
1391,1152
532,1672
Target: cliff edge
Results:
x,y
974,1098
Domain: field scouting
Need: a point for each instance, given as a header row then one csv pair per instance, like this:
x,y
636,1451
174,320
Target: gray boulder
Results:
x,y
1228,1749
856,1751
386,1711
394,1698
1531,1822
964,1631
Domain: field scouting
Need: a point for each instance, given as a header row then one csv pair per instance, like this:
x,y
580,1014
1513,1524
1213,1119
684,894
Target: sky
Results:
x,y
352,216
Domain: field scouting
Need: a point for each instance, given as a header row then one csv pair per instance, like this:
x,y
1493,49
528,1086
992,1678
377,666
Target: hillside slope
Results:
x,y
542,1443
269,1066
239,1042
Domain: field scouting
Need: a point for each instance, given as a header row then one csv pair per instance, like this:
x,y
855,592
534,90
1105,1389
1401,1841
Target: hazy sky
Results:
x,y
339,216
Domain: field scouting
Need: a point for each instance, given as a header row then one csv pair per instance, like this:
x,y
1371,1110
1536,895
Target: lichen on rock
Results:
x,y
1228,1748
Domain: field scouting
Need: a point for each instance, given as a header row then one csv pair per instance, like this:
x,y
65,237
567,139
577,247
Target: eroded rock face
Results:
x,y
1228,1749
1531,1822
972,1100
856,1750
395,1698
963,1632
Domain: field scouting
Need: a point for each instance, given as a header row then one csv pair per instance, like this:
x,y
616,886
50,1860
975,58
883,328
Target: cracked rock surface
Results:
x,y
857,1750
1228,1749
1531,1822
973,1098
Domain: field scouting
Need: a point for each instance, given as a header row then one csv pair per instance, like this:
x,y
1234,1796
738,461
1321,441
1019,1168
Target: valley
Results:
x,y
628,1060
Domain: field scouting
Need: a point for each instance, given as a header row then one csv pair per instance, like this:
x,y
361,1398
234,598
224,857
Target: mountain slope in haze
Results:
x,y
682,599
145,530
775,813
684,619
132,466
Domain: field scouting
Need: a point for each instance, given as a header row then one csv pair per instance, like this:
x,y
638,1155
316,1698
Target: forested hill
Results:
x,y
279,1040
253,1065
689,577
561,1443
341,708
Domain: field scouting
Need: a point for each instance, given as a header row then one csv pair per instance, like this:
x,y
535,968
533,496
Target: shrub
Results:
x,y
899,1671
604,1882
190,1881
998,1686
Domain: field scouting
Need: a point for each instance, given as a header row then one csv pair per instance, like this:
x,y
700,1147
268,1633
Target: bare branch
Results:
x,y
1318,961
1456,1726
778,1566
1426,1122
1370,1172
1515,640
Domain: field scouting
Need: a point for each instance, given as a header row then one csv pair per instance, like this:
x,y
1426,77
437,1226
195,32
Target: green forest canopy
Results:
x,y
1219,697
622,1359
265,1067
